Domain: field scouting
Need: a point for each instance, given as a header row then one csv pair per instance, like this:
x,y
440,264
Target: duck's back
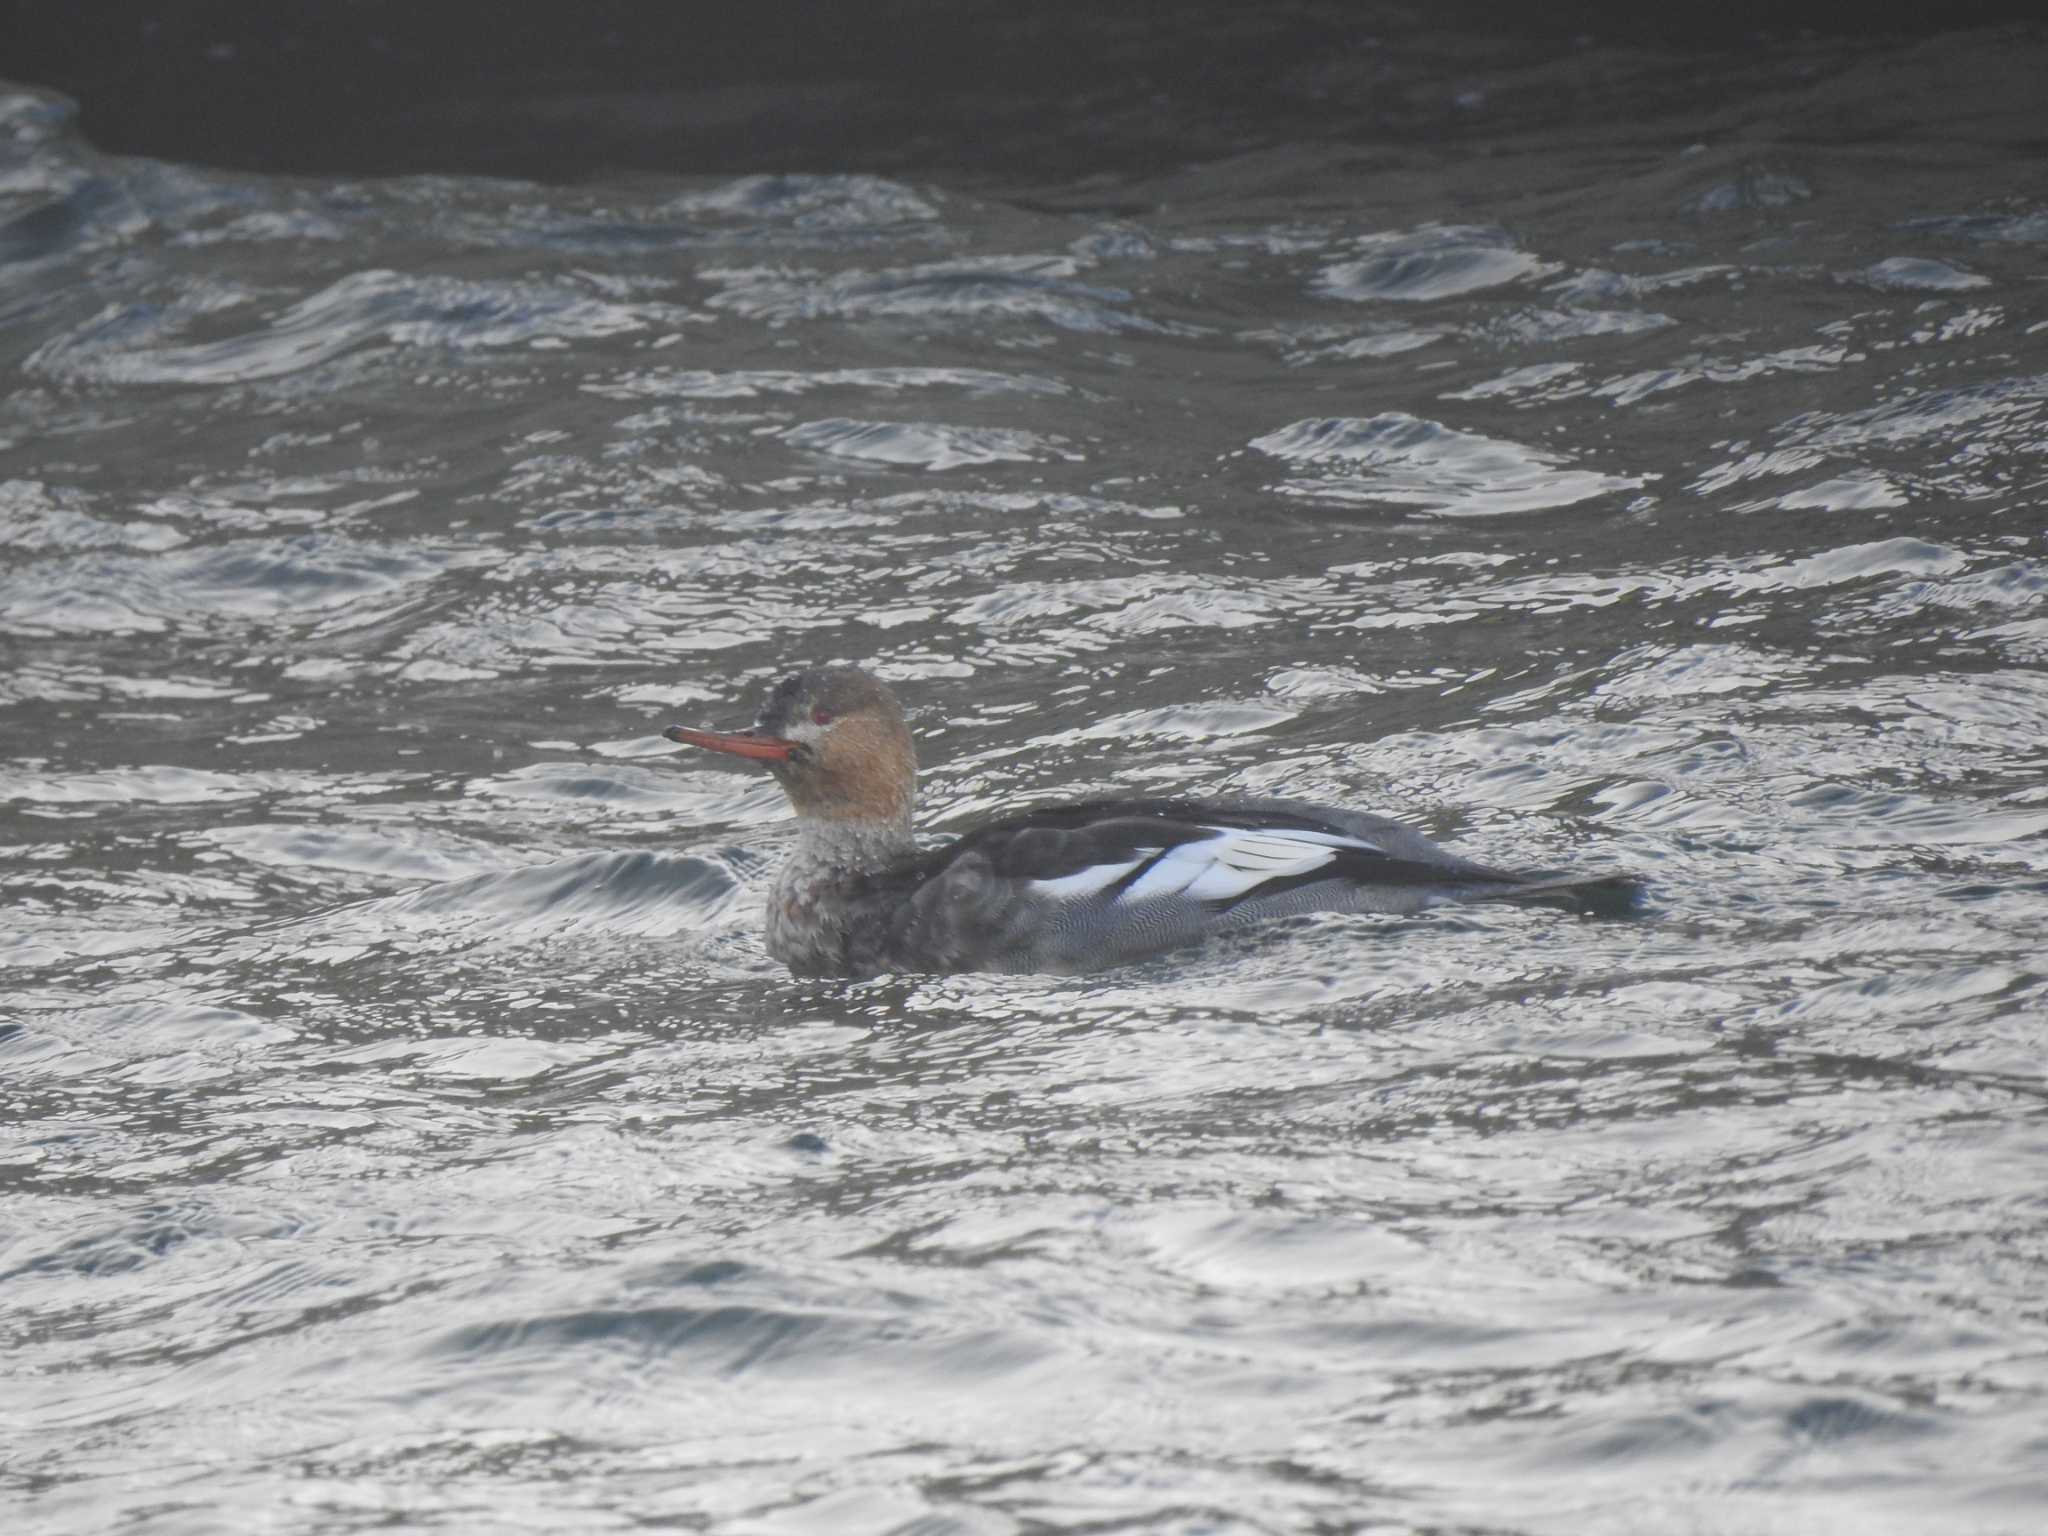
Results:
x,y
1081,886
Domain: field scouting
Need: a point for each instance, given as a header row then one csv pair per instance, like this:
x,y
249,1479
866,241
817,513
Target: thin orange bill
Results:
x,y
767,749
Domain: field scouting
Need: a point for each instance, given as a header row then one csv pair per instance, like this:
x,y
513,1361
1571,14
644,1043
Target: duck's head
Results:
x,y
835,739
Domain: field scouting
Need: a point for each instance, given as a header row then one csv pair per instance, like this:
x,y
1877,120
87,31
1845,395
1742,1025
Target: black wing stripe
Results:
x,y
1136,872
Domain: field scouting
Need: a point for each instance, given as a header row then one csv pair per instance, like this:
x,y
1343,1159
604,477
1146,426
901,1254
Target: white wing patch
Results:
x,y
1086,882
1223,867
1233,863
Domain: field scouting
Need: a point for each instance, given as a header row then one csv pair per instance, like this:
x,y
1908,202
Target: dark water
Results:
x,y
404,1129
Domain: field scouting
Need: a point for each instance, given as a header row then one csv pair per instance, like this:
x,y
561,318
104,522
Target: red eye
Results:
x,y
821,717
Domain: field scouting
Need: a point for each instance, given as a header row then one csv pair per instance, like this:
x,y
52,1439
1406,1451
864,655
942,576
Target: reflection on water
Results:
x,y
405,1125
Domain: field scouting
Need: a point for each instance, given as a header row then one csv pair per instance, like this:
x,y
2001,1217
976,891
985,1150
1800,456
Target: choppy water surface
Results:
x,y
403,1125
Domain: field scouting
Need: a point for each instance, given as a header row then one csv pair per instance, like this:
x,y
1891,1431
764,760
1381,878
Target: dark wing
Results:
x,y
1220,853
1072,887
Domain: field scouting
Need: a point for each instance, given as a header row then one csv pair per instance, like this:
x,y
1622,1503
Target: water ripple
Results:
x,y
922,445
126,345
1434,262
244,580
1408,461
1036,288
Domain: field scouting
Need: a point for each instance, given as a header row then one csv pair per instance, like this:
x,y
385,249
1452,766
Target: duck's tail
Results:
x,y
1588,895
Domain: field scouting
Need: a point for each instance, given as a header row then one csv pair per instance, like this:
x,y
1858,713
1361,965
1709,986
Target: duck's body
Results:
x,y
1064,888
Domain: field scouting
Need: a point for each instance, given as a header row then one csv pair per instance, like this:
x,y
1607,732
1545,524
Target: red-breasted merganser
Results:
x,y
1066,887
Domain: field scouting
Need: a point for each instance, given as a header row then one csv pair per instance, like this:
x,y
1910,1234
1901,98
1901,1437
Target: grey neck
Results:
x,y
858,847
810,919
